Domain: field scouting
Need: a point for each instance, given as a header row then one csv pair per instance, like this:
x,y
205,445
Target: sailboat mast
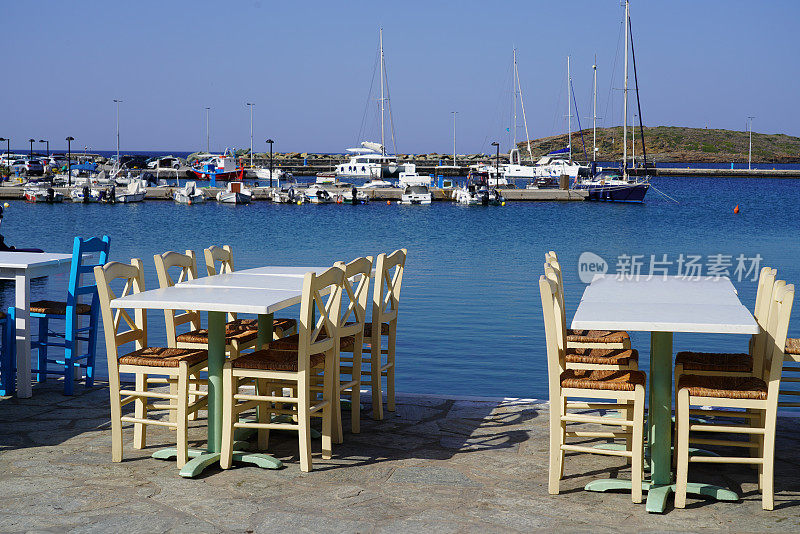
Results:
x,y
454,137
569,113
594,110
625,104
515,82
383,101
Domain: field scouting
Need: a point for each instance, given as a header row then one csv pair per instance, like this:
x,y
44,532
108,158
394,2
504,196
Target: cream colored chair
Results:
x,y
725,363
791,366
223,256
594,353
588,339
176,365
317,350
351,340
624,389
756,398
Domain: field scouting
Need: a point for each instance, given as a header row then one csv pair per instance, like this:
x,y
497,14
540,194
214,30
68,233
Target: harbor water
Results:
x,y
470,318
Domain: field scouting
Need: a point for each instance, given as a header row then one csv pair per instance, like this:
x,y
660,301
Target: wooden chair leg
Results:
x,y
263,411
140,411
390,359
228,417
337,434
182,433
637,451
768,458
375,382
681,479
555,446
173,390
330,393
303,422
193,398
355,393
116,418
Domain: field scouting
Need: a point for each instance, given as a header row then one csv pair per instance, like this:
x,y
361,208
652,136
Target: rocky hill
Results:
x,y
676,144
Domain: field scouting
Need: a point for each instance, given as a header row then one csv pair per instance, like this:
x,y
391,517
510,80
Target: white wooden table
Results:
x,y
661,306
217,295
22,267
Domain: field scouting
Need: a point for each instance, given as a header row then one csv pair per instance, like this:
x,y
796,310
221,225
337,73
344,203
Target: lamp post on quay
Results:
x,y
269,142
8,152
31,141
48,145
496,164
69,160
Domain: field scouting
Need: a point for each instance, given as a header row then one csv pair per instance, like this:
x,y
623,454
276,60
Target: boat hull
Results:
x,y
233,198
633,192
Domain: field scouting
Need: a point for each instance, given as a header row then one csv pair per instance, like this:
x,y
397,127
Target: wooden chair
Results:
x,y
351,340
726,363
223,256
176,365
316,350
792,358
756,395
81,302
588,339
385,304
624,388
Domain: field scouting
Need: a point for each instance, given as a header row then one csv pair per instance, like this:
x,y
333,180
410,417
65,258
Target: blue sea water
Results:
x,y
470,314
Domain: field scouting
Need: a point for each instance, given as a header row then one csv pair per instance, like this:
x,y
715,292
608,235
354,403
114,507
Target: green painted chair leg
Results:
x,y
717,492
170,453
261,460
197,465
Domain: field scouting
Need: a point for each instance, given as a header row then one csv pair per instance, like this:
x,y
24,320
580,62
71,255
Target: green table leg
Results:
x,y
660,413
216,359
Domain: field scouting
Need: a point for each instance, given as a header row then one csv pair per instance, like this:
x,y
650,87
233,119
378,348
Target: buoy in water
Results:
x,y
299,202
6,205
503,203
388,202
736,209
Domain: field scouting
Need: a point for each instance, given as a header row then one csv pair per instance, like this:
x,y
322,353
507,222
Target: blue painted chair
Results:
x,y
7,352
71,311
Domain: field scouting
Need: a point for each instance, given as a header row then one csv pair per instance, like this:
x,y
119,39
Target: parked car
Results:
x,y
166,162
28,167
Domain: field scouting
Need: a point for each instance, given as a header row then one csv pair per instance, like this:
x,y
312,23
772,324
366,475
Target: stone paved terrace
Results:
x,y
436,465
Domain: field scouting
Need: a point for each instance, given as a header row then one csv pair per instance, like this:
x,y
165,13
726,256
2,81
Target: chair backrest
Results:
x,y
136,332
83,263
186,264
318,326
552,262
355,296
777,332
386,294
758,343
550,310
223,255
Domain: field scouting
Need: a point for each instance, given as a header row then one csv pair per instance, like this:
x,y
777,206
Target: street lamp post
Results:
x,y
750,149
496,164
208,143
117,102
69,160
48,145
31,141
251,105
269,142
8,153
454,136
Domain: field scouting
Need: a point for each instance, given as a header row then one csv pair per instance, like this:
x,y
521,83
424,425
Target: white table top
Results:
x,y
236,300
659,305
24,260
278,270
247,281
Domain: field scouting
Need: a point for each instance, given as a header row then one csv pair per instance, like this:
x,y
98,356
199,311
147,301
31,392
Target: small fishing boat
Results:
x,y
354,196
235,193
467,195
188,194
375,183
326,177
84,194
48,195
218,168
134,192
416,194
288,195
318,195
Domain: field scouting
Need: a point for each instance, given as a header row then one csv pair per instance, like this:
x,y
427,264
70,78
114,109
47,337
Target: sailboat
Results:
x,y
614,185
370,160
515,168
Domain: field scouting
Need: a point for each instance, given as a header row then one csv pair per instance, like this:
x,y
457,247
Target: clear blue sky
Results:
x,y
308,67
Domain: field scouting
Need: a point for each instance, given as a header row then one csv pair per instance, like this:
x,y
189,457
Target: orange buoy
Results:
x,y
388,202
736,209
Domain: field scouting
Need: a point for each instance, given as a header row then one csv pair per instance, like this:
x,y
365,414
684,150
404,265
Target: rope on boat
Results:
x,y
663,193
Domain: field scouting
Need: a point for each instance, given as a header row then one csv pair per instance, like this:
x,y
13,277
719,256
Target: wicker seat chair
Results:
x,y
624,388
274,369
752,398
175,365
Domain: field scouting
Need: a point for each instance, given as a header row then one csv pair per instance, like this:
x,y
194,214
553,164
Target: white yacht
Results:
x,y
371,162
416,194
554,165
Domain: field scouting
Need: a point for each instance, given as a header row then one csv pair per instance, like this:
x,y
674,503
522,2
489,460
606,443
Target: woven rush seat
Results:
x,y
163,357
274,360
602,356
597,336
54,307
346,343
715,361
605,380
792,346
729,387
241,330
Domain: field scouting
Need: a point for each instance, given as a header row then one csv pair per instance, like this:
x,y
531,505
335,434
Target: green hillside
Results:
x,y
678,144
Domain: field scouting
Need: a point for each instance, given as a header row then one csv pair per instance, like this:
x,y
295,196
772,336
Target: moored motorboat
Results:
x,y
84,194
188,194
416,194
134,192
288,195
353,196
48,195
318,195
235,193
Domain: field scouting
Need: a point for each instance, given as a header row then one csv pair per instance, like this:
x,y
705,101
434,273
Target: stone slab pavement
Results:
x,y
435,465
